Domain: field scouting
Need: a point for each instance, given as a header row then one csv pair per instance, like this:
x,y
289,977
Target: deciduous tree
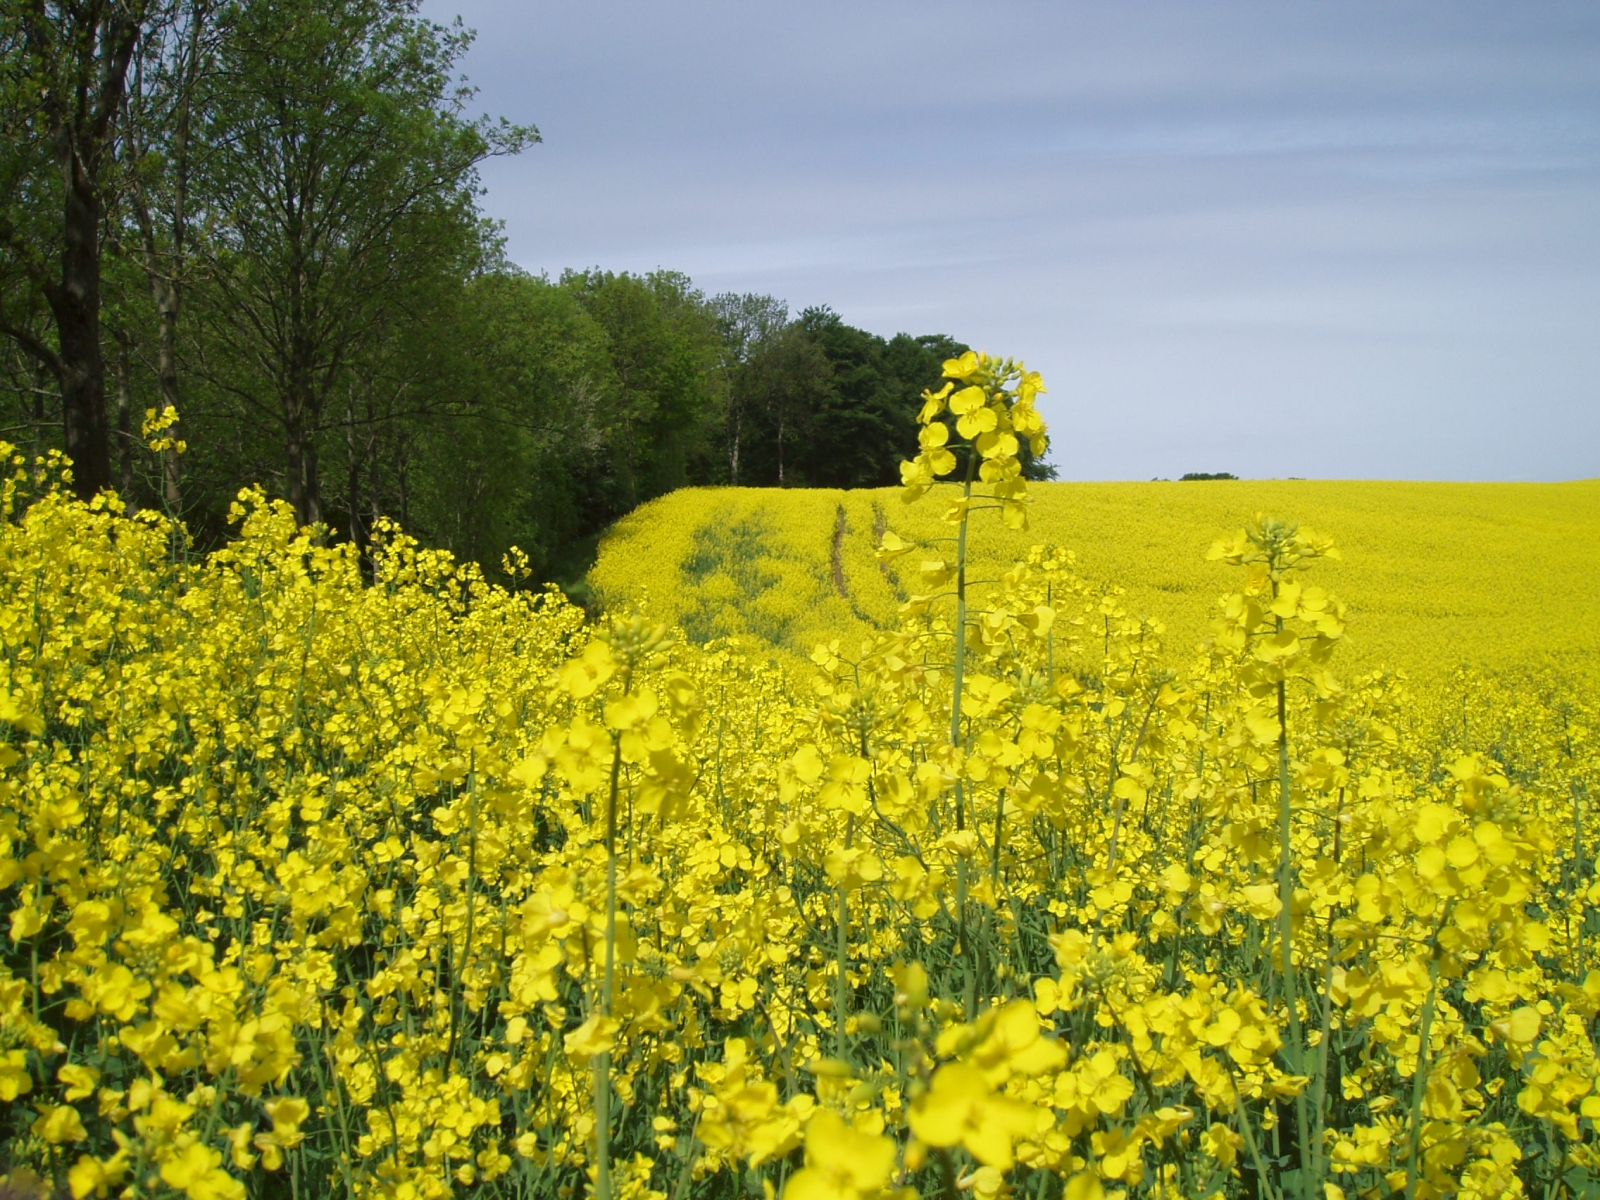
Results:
x,y
65,68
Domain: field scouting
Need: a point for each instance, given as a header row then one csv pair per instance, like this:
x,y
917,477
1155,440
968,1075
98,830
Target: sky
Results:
x,y
1305,238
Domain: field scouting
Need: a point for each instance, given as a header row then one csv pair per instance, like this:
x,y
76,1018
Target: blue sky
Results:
x,y
1318,239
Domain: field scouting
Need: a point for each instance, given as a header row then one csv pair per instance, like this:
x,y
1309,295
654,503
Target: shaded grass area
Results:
x,y
569,570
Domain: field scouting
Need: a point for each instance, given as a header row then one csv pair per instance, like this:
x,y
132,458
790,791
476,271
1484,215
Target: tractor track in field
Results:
x,y
841,529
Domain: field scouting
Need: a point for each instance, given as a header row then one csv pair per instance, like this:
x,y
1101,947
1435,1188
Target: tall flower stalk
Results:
x,y
624,648
975,424
1283,630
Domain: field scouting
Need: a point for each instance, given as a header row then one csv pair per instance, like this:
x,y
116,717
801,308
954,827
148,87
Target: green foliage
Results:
x,y
503,467
815,402
664,348
347,177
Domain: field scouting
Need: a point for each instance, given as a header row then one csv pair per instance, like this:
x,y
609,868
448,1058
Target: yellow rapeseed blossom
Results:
x,y
370,879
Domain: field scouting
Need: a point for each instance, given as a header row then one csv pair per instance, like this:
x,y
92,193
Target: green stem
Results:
x,y
964,945
1319,1091
1050,635
961,627
947,1174
841,952
457,982
1419,1082
1263,1180
1286,878
994,850
602,1062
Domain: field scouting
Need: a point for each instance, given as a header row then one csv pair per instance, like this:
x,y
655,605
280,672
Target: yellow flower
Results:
x,y
977,422
117,992
80,1080
26,921
96,1177
1520,1028
963,367
1005,1042
197,1171
959,1109
891,546
842,1163
60,1123
583,676
852,867
286,1114
308,819
14,1078
596,1036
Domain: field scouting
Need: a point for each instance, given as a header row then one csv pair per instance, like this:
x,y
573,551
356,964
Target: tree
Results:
x,y
175,62
65,65
662,340
790,382
516,464
341,173
747,324
868,419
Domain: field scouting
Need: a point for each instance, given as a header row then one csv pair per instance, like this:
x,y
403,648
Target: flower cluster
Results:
x,y
989,403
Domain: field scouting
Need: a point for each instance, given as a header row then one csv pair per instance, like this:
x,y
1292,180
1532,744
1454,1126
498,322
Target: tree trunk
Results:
x,y
305,491
360,531
402,479
301,412
75,304
167,300
93,42
41,373
780,447
165,292
124,425
172,476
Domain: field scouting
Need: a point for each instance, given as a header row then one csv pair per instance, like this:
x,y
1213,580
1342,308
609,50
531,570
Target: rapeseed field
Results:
x,y
1440,575
332,877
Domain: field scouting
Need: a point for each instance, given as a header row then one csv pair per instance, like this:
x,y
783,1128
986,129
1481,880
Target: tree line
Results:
x,y
264,216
